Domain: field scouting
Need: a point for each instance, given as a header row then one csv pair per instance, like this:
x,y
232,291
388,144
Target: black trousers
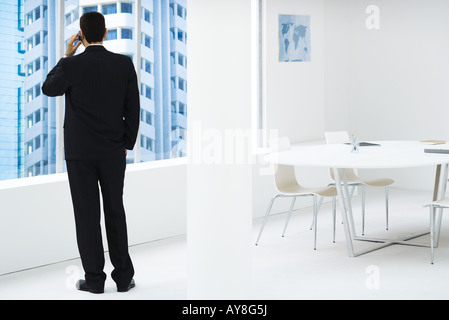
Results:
x,y
85,177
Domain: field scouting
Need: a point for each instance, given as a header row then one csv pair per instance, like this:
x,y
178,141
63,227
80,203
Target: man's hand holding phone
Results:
x,y
71,47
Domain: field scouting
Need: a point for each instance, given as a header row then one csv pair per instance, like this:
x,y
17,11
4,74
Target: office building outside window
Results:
x,y
12,74
157,47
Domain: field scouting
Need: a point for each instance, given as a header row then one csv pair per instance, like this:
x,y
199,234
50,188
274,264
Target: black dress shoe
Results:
x,y
82,285
131,285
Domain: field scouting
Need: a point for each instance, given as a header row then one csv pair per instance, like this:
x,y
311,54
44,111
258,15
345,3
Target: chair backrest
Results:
x,y
284,175
340,137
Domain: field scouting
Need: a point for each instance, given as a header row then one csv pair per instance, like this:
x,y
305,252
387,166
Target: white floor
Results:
x,y
283,268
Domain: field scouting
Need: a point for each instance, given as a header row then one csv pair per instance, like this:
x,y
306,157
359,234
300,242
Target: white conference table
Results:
x,y
389,154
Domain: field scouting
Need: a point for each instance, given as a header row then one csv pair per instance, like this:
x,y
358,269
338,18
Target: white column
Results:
x,y
219,183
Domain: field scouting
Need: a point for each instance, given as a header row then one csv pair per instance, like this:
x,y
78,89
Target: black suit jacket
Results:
x,y
102,110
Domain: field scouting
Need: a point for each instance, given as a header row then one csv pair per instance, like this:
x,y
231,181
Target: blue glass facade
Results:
x,y
11,80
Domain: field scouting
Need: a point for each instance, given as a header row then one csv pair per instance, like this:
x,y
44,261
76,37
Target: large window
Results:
x,y
29,122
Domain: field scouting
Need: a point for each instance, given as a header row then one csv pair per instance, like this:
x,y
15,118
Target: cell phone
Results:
x,y
78,38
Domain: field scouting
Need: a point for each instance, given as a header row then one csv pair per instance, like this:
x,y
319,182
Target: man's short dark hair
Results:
x,y
93,26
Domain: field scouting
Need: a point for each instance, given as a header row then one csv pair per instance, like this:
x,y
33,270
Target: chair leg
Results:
x,y
386,207
363,210
432,230
319,207
289,215
315,214
334,211
438,226
266,218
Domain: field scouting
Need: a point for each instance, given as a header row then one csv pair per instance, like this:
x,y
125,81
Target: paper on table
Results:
x,y
433,142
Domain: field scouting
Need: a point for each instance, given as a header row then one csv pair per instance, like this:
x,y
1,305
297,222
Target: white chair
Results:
x,y
440,204
356,181
287,186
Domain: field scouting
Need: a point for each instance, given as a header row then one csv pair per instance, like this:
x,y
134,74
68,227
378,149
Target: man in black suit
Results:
x,y
101,123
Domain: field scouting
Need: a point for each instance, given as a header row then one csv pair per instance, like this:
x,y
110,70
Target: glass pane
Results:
x,y
29,69
180,11
148,41
38,64
148,66
29,18
37,116
148,118
147,17
37,90
37,39
148,92
127,7
37,142
127,33
182,109
109,9
90,9
112,34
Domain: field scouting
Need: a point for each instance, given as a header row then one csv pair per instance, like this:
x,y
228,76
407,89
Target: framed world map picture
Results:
x,y
294,38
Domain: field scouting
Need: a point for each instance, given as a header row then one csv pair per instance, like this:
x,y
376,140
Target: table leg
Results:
x,y
345,208
440,193
441,179
437,183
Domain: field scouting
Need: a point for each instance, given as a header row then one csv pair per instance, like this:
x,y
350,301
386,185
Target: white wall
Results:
x,y
38,227
391,83
295,90
336,45
295,99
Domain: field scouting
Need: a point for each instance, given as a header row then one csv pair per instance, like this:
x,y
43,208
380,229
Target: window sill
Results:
x,y
60,177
